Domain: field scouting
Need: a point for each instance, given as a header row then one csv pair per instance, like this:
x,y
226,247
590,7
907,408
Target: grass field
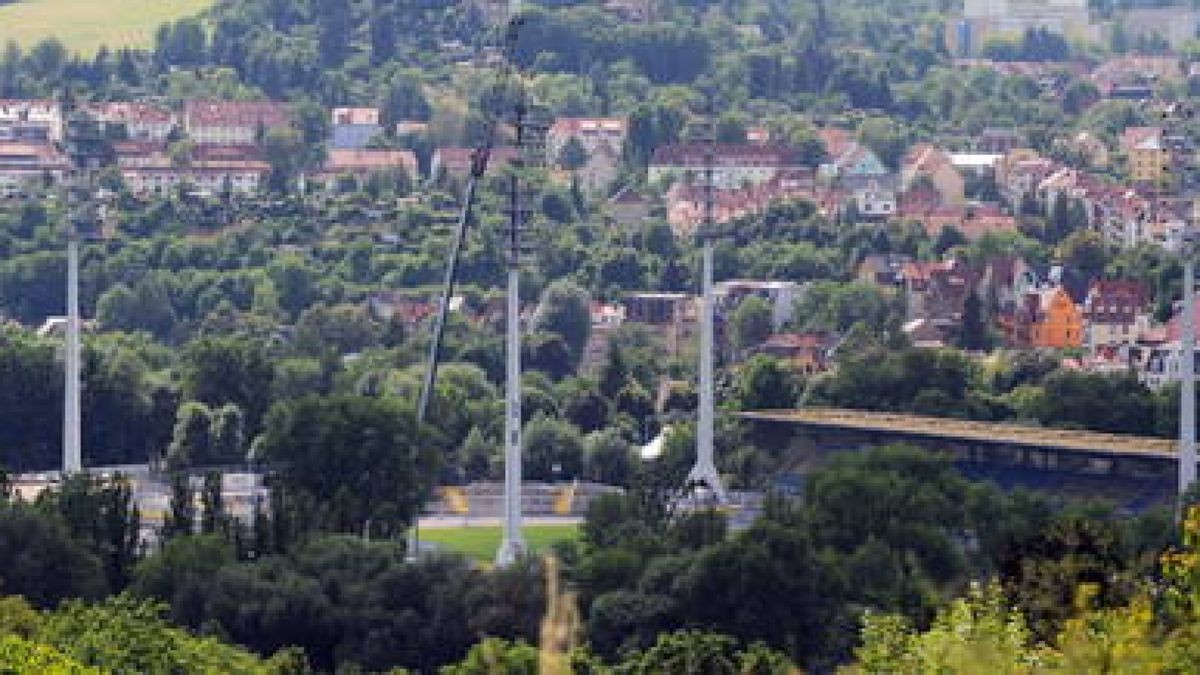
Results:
x,y
480,542
84,25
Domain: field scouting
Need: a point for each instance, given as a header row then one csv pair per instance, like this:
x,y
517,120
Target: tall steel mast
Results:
x,y
480,160
704,473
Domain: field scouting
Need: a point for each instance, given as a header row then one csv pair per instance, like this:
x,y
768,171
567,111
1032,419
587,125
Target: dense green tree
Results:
x,y
42,562
553,450
217,371
363,460
763,384
750,324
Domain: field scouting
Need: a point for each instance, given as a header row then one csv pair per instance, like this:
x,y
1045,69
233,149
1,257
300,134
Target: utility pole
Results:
x,y
704,473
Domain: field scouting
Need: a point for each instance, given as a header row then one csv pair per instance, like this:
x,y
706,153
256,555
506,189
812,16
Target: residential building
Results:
x,y
233,122
1047,318
592,133
1005,280
1115,312
209,171
734,166
876,199
30,120
937,292
141,153
687,203
25,167
973,222
926,163
362,164
203,178
850,164
976,163
142,121
353,128
1147,155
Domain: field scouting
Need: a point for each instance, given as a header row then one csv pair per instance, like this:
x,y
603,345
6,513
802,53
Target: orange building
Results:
x,y
1048,318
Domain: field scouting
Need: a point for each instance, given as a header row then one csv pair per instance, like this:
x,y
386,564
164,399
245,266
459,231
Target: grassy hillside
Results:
x,y
84,25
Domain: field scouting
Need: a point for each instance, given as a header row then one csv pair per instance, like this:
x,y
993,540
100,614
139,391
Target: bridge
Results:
x,y
1136,470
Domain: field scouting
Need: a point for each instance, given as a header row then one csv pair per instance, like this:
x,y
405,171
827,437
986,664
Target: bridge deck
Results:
x,y
994,433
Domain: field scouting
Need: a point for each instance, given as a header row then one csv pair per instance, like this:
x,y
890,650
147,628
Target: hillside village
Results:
x,y
1125,192
942,426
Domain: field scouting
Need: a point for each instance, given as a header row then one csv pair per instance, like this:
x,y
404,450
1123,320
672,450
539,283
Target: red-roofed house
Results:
x,y
233,122
361,164
27,165
592,132
734,165
925,163
1114,311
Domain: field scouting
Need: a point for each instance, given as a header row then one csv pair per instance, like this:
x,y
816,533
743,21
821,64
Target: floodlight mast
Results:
x,y
1187,341
704,473
86,146
480,158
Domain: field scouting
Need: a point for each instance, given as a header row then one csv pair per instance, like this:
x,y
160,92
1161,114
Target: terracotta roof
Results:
x,y
370,160
130,111
269,114
44,156
226,152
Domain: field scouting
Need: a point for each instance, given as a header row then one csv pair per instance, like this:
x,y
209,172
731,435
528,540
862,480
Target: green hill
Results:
x,y
84,25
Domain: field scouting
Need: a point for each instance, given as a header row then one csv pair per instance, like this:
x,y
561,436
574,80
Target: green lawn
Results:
x,y
480,542
84,25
